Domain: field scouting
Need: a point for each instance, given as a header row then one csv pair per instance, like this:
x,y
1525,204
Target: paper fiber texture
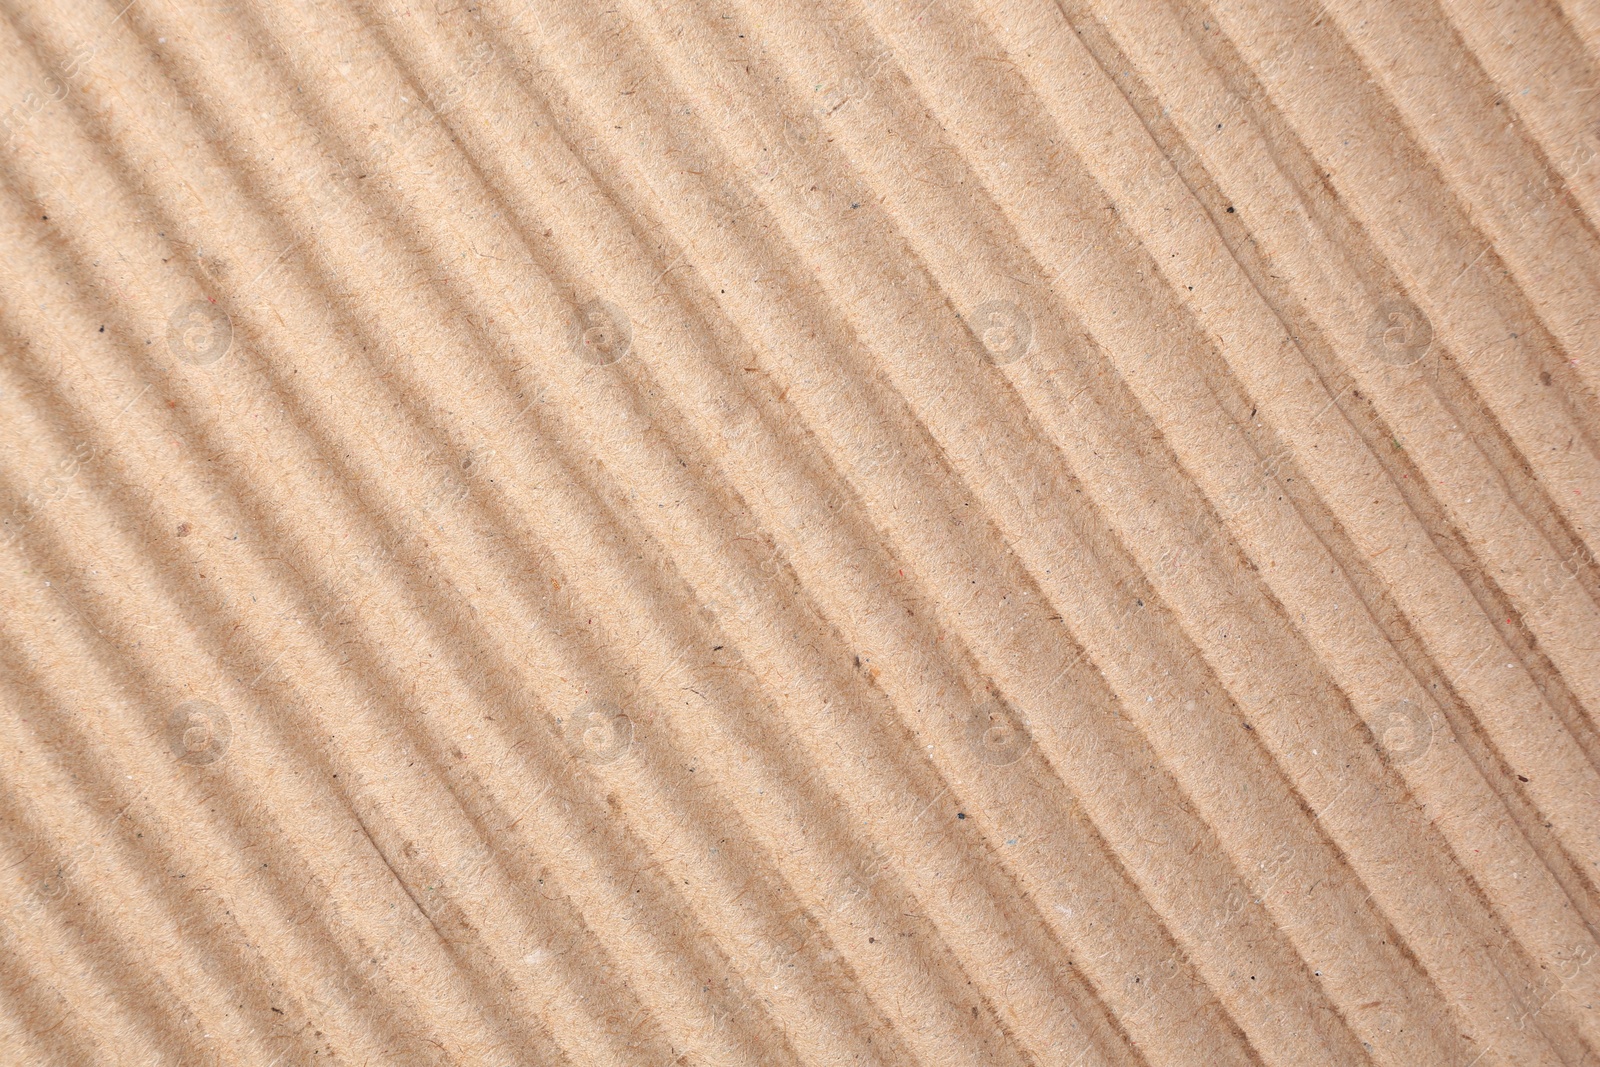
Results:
x,y
828,532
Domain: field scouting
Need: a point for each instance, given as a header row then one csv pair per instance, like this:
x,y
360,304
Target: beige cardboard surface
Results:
x,y
862,532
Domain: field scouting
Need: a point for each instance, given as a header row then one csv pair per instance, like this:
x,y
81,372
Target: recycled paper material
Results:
x,y
904,532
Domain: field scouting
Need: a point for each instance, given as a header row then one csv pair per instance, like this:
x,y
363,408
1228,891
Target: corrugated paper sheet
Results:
x,y
905,532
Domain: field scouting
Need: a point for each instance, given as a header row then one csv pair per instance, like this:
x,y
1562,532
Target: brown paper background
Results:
x,y
981,532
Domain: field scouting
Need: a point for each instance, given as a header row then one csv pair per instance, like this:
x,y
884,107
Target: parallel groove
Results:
x,y
125,674
1146,32
263,665
34,1016
1284,154
805,534
128,1002
792,43
97,859
1567,761
714,850
1534,225
1492,867
1453,394
1323,266
1578,675
1392,200
1258,34
300,885
1553,92
1474,296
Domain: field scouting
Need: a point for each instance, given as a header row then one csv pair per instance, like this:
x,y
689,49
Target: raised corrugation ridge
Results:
x,y
972,712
